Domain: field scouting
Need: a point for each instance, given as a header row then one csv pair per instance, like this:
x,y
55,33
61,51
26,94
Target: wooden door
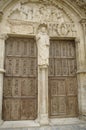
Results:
x,y
20,80
62,79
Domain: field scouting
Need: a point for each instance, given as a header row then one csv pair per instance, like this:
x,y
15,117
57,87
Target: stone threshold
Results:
x,y
36,124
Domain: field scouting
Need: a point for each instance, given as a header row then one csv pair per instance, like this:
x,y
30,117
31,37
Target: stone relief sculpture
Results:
x,y
37,13
58,22
43,44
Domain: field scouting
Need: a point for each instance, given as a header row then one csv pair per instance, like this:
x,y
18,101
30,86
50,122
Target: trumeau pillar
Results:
x,y
43,95
2,52
43,43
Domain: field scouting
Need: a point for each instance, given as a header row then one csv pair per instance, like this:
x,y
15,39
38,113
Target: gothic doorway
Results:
x,y
20,79
62,79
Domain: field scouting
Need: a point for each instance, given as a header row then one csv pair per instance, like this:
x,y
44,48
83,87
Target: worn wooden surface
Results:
x,y
62,79
20,80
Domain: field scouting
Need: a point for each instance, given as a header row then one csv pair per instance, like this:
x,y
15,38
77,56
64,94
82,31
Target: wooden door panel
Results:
x,y
16,87
58,86
71,86
25,67
62,79
32,68
32,50
7,109
17,67
57,68
20,80
54,87
71,50
72,106
63,49
8,87
51,67
9,64
62,105
61,87
28,109
9,50
64,67
54,107
51,52
57,49
28,87
72,66
15,109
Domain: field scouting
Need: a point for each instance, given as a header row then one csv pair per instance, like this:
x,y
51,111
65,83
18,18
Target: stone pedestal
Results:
x,y
43,95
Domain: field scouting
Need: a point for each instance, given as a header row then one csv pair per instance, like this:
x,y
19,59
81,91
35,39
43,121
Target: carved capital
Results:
x,y
3,36
83,22
43,66
2,71
77,40
81,71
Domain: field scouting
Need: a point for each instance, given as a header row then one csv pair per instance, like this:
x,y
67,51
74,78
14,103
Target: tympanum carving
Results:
x,y
33,14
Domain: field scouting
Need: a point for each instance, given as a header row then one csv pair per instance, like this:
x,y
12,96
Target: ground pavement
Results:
x,y
61,127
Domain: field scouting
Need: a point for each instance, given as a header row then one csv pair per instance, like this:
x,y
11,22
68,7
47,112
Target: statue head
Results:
x,y
42,28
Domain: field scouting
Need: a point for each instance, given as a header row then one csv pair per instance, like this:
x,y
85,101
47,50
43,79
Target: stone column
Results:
x,y
83,23
81,74
2,52
43,95
43,43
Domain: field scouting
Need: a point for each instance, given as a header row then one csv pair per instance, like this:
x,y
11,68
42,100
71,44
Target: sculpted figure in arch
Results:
x,y
43,44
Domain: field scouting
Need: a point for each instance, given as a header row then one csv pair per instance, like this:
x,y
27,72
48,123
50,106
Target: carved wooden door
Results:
x,y
62,79
20,80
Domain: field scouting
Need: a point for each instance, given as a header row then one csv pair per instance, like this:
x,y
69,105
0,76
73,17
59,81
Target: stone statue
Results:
x,y
43,44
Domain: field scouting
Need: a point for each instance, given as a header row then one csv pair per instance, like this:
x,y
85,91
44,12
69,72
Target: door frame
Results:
x,y
36,122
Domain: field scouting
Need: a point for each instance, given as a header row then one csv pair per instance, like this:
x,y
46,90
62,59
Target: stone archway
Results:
x,y
23,18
